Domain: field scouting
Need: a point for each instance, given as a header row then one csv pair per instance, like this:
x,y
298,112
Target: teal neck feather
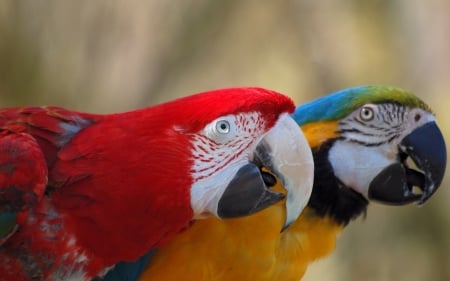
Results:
x,y
7,223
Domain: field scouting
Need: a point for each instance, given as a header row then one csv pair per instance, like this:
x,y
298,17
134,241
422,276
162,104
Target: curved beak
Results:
x,y
286,153
395,184
246,194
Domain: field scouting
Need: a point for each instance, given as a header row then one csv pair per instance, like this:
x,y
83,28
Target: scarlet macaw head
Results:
x,y
231,134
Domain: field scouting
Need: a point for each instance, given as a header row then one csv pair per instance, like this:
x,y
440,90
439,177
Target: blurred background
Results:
x,y
108,56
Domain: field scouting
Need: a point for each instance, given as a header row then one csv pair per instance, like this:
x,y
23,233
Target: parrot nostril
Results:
x,y
268,179
417,117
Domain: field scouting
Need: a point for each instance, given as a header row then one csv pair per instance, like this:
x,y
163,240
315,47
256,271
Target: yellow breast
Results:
x,y
249,248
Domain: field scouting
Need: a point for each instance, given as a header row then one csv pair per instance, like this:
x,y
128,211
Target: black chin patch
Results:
x,y
330,197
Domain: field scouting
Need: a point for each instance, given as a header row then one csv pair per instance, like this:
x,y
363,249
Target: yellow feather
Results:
x,y
249,248
319,132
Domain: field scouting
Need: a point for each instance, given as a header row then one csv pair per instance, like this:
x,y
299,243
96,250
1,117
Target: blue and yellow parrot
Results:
x,y
361,139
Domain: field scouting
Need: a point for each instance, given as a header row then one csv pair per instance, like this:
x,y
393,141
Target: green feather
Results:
x,y
338,105
7,223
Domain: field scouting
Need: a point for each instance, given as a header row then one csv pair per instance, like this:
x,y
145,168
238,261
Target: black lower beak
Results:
x,y
246,194
395,184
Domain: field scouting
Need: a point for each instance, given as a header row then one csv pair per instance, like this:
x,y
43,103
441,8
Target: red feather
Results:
x,y
118,184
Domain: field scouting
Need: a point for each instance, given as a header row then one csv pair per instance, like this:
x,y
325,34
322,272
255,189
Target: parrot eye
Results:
x,y
223,129
223,126
367,113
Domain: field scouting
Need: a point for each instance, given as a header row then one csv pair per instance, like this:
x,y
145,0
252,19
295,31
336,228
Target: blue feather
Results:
x,y
7,223
330,107
128,271
337,105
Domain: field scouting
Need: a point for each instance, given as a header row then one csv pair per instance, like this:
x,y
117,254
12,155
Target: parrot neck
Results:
x,y
123,180
330,197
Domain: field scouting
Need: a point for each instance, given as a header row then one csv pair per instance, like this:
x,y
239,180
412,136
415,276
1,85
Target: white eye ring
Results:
x,y
367,113
223,126
222,129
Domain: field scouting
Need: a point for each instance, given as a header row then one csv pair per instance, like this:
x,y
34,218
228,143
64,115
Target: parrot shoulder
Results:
x,y
52,127
23,176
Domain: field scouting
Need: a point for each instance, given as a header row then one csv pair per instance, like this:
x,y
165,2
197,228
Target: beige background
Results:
x,y
107,56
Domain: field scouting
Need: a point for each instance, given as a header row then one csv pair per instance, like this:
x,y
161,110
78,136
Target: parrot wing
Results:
x,y
51,127
30,139
23,177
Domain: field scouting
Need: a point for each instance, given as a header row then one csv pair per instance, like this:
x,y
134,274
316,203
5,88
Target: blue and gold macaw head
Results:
x,y
365,137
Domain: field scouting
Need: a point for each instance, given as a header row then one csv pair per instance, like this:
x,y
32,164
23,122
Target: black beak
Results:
x,y
247,183
395,184
285,152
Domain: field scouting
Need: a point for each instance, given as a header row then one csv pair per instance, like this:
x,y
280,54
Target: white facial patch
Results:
x,y
219,151
357,165
370,139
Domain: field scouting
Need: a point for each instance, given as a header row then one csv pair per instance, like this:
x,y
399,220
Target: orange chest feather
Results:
x,y
249,248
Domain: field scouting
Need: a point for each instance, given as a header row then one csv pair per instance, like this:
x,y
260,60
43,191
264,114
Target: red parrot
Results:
x,y
74,186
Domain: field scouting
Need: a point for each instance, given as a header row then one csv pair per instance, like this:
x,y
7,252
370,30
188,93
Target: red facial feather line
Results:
x,y
208,154
213,169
